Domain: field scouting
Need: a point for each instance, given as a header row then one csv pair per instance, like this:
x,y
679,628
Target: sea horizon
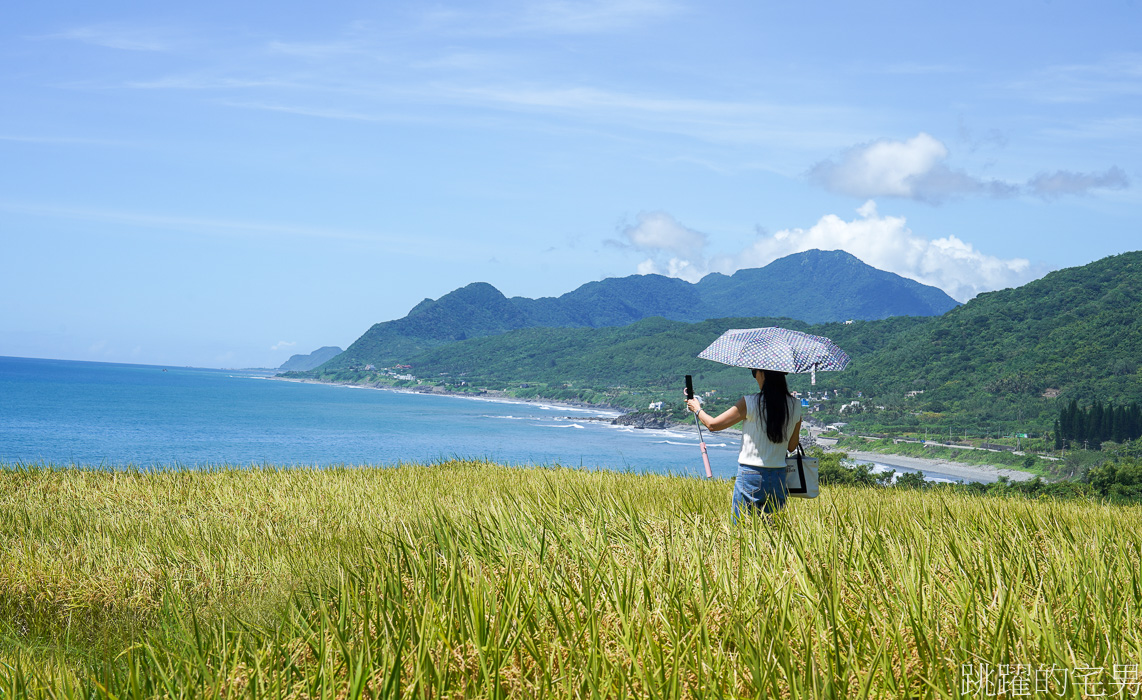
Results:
x,y
107,415
111,414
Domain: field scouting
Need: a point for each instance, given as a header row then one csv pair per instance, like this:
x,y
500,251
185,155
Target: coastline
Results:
x,y
984,473
488,395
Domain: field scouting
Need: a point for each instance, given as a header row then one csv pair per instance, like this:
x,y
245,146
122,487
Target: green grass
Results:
x,y
467,579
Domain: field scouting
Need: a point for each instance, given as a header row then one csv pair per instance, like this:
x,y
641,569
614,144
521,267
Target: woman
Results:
x,y
771,429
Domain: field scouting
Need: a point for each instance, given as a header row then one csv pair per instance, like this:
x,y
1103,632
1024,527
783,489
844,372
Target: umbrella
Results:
x,y
778,349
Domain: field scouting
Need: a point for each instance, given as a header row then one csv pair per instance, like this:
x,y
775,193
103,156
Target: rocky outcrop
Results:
x,y
644,419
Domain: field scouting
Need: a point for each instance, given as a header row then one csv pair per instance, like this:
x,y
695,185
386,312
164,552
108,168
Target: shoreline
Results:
x,y
984,473
488,395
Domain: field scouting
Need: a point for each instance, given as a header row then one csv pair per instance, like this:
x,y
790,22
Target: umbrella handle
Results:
x,y
702,441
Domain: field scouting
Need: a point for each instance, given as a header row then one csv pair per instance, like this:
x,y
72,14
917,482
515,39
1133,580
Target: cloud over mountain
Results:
x,y
885,242
674,246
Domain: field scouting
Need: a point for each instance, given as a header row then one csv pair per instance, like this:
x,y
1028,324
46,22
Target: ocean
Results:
x,y
114,415
98,414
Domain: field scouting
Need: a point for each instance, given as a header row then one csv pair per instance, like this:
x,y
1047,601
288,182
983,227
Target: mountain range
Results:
x,y
1007,357
814,286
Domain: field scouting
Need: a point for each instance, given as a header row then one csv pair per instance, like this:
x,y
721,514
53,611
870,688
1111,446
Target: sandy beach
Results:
x,y
491,395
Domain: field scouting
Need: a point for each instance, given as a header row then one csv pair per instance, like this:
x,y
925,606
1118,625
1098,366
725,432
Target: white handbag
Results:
x,y
801,475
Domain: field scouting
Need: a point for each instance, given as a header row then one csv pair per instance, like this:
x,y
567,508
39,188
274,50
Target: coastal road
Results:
x,y
984,473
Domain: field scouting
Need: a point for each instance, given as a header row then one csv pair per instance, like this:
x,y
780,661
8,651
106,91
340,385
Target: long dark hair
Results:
x,y
774,404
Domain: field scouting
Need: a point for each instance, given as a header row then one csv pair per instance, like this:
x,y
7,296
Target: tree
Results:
x,y
912,480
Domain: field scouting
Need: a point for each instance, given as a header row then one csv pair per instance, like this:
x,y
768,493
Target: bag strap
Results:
x,y
803,488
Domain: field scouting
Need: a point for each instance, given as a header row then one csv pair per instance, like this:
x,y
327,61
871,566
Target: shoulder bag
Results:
x,y
801,475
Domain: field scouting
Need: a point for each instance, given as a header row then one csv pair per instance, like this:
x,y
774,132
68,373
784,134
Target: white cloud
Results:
x,y
884,242
283,344
671,244
883,167
660,231
912,169
917,169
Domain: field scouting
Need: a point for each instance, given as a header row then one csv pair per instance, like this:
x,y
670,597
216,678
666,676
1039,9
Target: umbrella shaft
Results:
x,y
702,440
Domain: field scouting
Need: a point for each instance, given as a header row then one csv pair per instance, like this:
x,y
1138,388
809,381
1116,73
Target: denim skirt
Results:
x,y
759,490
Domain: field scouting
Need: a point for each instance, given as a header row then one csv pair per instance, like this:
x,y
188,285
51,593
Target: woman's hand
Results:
x,y
735,414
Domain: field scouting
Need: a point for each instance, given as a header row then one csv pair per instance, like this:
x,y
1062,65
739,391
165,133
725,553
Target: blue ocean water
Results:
x,y
89,413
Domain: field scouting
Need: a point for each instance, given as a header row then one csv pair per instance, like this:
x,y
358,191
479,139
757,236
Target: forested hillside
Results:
x,y
813,286
1074,334
617,365
1011,358
819,286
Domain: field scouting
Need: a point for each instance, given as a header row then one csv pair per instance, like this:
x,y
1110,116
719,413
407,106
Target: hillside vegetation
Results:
x,y
1005,361
467,579
1076,333
619,366
812,286
818,287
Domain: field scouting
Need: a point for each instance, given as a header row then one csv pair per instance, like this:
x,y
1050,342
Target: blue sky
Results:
x,y
224,185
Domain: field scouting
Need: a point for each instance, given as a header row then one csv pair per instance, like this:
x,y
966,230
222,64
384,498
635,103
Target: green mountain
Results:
x,y
820,286
473,311
812,286
617,302
1007,358
1074,334
301,363
648,356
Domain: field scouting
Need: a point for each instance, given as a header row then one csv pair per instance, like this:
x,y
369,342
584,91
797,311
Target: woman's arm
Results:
x,y
732,416
796,438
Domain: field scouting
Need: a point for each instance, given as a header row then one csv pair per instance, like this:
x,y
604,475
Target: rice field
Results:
x,y
470,579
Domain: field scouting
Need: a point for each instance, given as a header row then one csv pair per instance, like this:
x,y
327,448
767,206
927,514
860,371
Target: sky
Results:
x,y
227,184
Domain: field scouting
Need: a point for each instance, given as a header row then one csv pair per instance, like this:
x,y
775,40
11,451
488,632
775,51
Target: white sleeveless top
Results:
x,y
757,450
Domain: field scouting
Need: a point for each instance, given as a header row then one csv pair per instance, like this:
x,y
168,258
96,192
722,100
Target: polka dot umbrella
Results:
x,y
778,349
